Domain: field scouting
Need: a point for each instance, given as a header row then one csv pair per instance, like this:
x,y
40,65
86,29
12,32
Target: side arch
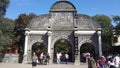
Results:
x,y
90,45
33,42
85,41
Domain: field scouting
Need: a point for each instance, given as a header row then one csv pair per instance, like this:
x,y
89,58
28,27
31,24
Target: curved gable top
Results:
x,y
63,6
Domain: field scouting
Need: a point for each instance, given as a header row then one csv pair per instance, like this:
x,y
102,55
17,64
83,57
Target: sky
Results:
x,y
39,7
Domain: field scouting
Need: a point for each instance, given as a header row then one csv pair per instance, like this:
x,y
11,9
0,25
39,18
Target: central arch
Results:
x,y
63,46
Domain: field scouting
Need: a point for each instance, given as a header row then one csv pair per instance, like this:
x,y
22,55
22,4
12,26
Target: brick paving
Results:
x,y
15,65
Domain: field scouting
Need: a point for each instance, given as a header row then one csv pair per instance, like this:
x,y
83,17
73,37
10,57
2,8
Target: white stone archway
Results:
x,y
63,22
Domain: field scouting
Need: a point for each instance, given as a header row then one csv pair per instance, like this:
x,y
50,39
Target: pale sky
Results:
x,y
39,7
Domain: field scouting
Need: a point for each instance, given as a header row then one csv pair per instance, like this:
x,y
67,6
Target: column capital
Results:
x,y
26,33
76,33
49,32
99,32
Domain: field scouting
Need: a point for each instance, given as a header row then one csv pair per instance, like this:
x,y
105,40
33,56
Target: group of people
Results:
x,y
60,57
44,59
112,61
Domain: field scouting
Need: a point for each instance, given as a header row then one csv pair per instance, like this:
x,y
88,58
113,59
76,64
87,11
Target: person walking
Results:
x,y
34,60
111,63
102,61
91,62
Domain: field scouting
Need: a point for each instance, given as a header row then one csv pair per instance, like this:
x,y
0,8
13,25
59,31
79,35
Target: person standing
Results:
x,y
116,60
66,57
59,57
41,57
34,60
91,62
48,58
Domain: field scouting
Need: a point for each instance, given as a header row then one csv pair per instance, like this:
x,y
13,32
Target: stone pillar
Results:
x,y
49,41
25,47
49,45
26,43
100,43
77,60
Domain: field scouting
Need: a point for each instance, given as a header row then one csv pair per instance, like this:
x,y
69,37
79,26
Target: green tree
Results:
x,y
20,24
6,26
63,46
3,5
6,33
107,27
116,20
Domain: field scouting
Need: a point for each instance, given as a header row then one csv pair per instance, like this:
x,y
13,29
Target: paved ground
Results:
x,y
11,65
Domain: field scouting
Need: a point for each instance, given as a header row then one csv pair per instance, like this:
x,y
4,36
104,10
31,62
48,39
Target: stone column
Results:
x,y
26,43
77,59
25,47
49,44
100,43
49,41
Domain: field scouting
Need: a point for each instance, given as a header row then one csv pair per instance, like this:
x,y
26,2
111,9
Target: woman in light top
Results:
x,y
34,60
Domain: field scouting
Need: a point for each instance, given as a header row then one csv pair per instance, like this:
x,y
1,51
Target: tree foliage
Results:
x,y
107,27
6,32
20,24
3,5
63,46
116,20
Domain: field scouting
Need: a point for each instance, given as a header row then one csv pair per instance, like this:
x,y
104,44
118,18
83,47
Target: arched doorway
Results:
x,y
85,49
38,48
63,46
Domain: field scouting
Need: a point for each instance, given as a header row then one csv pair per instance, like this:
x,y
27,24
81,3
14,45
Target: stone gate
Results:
x,y
63,22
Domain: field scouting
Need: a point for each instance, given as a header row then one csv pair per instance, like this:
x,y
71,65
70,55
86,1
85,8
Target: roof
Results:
x,y
63,6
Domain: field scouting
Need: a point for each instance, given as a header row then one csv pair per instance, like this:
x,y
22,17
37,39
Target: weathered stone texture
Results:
x,y
85,22
62,22
37,38
39,23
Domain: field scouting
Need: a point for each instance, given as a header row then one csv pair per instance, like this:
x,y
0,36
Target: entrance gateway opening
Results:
x,y
63,46
86,48
64,30
38,48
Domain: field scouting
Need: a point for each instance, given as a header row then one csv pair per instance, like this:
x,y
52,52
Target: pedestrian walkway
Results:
x,y
11,65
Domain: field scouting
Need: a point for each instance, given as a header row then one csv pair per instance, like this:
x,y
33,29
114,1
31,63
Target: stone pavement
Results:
x,y
15,65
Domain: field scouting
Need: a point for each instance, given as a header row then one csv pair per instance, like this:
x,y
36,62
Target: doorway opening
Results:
x,y
85,50
63,46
